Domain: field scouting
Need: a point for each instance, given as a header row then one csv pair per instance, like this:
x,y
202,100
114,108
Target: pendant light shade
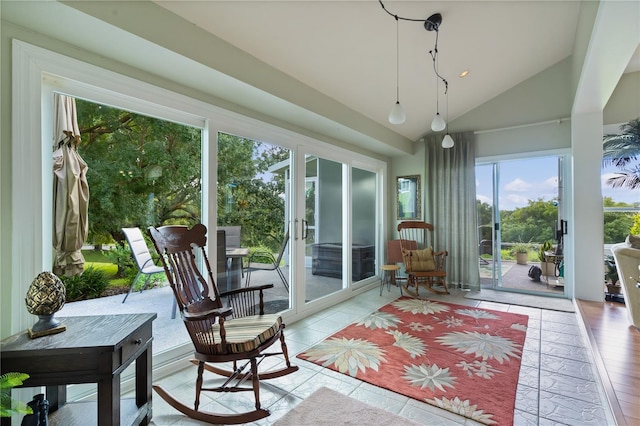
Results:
x,y
438,124
397,115
447,141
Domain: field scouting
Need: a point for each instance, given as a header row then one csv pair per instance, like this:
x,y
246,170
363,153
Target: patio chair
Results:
x,y
238,333
424,266
272,263
141,256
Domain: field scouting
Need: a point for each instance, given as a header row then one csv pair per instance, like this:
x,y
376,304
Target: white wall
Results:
x,y
624,103
545,136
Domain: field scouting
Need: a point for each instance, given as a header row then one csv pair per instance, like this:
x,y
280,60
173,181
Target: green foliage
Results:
x,y
506,254
121,256
97,256
245,198
617,224
145,169
534,223
89,285
485,221
9,406
545,246
520,248
155,280
622,151
635,229
611,271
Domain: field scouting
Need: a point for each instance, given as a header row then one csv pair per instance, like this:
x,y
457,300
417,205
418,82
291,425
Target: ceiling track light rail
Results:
x,y
397,114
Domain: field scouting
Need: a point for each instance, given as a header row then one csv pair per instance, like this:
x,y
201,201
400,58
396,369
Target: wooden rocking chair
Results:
x,y
238,332
423,265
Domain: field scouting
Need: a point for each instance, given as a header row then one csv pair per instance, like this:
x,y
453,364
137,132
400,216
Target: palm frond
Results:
x,y
619,150
625,180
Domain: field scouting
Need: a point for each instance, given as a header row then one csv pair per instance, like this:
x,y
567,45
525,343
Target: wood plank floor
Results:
x,y
617,345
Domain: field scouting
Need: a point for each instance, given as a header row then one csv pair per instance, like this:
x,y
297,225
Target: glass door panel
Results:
x,y
363,224
489,260
324,212
253,199
522,198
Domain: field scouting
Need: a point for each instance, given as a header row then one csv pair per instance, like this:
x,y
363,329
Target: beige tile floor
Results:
x,y
558,381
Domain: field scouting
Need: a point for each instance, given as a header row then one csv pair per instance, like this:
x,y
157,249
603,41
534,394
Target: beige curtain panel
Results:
x,y
70,190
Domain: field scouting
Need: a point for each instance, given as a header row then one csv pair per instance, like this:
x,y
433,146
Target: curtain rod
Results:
x,y
557,121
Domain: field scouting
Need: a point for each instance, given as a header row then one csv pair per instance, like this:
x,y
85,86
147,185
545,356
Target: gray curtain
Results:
x,y
450,205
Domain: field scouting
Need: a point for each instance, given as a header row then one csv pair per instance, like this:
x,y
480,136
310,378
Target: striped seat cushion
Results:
x,y
247,333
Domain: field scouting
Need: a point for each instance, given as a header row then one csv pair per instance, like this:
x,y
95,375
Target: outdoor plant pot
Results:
x,y
614,289
548,269
522,258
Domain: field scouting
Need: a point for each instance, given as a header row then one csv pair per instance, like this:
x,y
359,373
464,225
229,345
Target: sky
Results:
x,y
530,179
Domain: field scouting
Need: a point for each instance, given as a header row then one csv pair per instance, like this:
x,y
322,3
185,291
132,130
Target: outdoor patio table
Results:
x,y
236,256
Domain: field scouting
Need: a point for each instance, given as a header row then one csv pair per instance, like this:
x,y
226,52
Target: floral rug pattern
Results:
x,y
462,359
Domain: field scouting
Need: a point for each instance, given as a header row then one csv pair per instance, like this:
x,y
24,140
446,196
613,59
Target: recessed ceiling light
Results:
x,y
463,74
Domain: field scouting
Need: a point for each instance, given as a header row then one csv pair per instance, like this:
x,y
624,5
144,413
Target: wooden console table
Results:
x,y
93,349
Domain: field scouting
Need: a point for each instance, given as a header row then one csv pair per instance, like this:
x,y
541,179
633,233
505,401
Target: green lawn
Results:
x,y
97,259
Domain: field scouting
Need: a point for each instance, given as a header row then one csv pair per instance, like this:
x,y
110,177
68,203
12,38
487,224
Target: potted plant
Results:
x,y
611,275
9,406
521,251
547,265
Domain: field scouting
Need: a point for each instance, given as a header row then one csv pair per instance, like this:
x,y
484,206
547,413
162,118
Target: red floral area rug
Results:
x,y
459,358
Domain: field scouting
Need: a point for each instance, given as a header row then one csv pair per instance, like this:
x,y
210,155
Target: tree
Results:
x,y
245,197
617,225
534,223
622,151
485,220
142,170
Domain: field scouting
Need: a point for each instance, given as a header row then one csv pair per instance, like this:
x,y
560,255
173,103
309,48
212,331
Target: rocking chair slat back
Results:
x,y
423,264
179,246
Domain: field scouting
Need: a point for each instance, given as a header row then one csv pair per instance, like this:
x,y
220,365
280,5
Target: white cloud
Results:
x,y
511,201
551,182
518,185
484,199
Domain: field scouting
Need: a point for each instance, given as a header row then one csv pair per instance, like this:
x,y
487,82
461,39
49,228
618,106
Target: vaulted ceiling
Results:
x,y
273,57
347,49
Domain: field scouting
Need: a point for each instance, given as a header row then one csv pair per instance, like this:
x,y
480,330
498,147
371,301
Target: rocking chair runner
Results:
x,y
238,332
423,265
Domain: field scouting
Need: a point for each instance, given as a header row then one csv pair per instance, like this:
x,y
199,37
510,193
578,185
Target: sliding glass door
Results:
x,y
519,217
316,216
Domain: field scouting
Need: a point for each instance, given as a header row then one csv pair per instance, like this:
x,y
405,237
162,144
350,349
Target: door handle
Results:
x,y
305,229
295,229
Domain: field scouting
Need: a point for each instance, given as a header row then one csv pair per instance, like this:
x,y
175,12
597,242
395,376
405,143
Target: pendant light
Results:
x,y
433,24
447,141
397,115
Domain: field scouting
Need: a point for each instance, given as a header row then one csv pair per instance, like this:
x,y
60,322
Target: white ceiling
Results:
x,y
344,50
347,49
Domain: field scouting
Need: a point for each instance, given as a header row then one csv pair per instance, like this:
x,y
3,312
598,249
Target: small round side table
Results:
x,y
388,276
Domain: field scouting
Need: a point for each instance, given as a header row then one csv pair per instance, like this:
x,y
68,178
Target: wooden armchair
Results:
x,y
235,331
423,265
